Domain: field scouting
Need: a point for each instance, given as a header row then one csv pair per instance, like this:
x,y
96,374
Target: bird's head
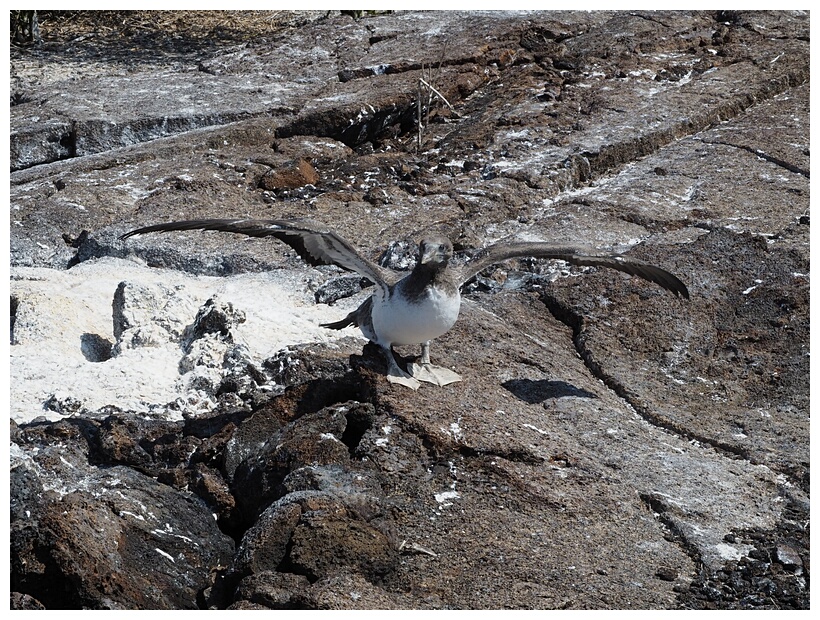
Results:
x,y
435,251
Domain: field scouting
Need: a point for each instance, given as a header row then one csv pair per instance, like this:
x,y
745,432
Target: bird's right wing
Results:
x,y
315,243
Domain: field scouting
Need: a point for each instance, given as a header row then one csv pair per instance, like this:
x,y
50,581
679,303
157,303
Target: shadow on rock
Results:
x,y
537,391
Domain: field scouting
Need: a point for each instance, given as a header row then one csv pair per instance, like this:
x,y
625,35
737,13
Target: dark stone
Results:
x,y
338,288
326,541
275,590
215,317
125,543
312,439
400,255
24,601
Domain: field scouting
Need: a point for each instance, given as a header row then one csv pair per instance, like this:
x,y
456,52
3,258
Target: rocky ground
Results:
x,y
185,435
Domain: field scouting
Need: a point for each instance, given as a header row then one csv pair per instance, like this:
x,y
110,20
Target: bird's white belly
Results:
x,y
399,321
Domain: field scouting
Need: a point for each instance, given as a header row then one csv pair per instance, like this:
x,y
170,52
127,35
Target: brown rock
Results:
x,y
328,541
291,176
275,590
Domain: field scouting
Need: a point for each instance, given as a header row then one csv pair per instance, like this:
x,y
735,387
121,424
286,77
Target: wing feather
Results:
x,y
576,256
315,243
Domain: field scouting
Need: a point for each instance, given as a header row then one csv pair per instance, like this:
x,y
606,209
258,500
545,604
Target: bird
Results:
x,y
418,307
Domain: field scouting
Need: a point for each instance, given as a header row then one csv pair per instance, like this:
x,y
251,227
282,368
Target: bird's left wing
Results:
x,y
315,243
575,256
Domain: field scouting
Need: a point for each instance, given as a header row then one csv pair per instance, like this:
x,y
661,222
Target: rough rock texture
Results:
x,y
183,433
89,532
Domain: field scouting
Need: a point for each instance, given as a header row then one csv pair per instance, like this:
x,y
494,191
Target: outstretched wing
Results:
x,y
315,243
575,256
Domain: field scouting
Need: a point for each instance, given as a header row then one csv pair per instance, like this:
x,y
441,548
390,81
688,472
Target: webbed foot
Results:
x,y
437,375
395,374
405,380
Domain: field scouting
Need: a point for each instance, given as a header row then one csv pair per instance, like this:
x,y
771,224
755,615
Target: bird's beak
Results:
x,y
431,254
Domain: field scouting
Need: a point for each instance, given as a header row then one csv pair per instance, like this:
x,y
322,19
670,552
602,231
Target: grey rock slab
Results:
x,y
587,130
737,217
52,208
687,183
774,130
577,417
746,376
151,99
144,113
270,77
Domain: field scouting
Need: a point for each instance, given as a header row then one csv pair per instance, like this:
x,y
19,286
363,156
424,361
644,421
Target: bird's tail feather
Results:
x,y
358,318
345,322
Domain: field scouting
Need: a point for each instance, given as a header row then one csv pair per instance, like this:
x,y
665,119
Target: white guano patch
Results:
x,y
445,497
383,441
58,311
